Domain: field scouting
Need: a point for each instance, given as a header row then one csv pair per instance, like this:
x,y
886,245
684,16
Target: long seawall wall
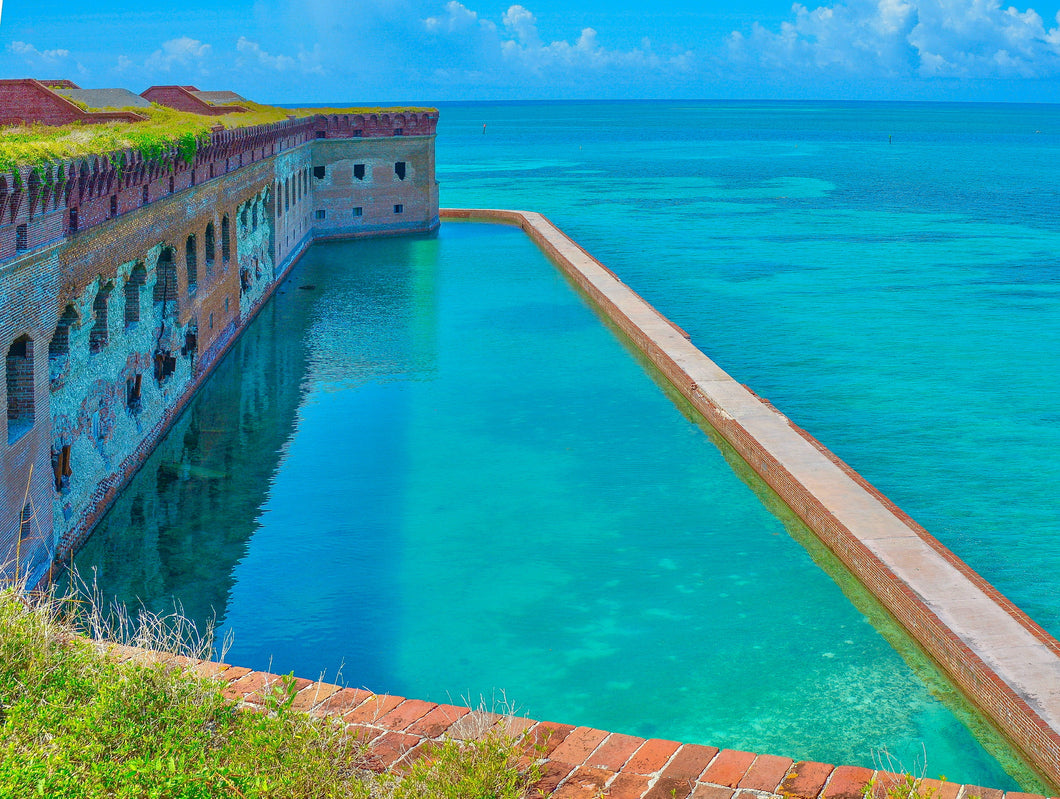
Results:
x,y
121,288
1001,659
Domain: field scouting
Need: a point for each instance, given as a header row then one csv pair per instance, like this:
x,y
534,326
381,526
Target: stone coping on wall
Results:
x,y
574,762
1001,659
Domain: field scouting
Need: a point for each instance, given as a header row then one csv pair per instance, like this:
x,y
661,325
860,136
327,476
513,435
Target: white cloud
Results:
x,y
478,50
183,52
35,56
253,50
910,38
521,23
307,62
457,18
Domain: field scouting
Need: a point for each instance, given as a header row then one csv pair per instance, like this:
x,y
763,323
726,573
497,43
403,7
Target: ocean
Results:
x,y
886,274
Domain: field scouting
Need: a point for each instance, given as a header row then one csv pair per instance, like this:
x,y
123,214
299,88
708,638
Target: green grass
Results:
x,y
165,129
74,723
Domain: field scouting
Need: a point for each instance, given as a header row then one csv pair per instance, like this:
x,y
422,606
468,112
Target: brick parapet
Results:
x,y
956,617
574,762
47,203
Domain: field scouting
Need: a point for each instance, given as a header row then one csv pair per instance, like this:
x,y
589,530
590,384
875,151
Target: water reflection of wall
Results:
x,y
352,318
184,520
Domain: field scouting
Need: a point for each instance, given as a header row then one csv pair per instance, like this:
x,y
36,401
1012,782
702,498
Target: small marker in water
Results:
x,y
888,138
483,127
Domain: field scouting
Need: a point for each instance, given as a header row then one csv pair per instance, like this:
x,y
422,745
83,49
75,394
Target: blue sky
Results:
x,y
291,51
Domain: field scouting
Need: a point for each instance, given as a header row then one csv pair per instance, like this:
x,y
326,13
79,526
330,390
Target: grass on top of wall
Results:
x,y
162,131
75,723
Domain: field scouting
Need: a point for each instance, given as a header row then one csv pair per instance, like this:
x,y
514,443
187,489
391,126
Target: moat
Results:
x,y
429,464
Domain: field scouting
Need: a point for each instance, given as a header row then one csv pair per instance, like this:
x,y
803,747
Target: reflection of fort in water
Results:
x,y
183,523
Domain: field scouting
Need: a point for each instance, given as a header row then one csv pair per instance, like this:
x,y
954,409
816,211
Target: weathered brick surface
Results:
x,y
585,782
705,790
765,773
847,782
552,773
342,702
614,751
628,786
404,714
373,709
670,788
651,756
805,779
547,736
578,745
980,792
312,695
728,768
437,721
690,762
474,725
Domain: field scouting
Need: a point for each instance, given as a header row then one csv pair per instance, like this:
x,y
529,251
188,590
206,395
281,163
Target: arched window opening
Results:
x,y
226,233
211,247
191,261
61,467
133,387
166,277
99,334
399,169
254,217
59,346
19,375
137,280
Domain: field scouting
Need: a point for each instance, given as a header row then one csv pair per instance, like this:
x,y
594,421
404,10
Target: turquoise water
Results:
x,y
428,466
900,300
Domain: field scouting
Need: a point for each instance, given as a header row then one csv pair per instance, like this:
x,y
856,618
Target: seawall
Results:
x,y
1006,664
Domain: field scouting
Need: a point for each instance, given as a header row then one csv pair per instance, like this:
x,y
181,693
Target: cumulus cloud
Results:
x,y
306,62
456,19
253,50
516,47
33,55
911,38
183,52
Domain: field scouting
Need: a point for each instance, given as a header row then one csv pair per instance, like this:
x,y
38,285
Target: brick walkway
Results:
x,y
576,762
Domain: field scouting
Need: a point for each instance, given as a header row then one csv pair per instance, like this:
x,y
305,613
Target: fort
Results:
x,y
124,278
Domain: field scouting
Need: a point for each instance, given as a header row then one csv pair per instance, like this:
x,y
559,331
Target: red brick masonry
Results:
x,y
575,762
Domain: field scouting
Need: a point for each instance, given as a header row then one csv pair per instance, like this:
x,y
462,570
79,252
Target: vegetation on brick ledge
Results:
x,y
165,129
75,723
